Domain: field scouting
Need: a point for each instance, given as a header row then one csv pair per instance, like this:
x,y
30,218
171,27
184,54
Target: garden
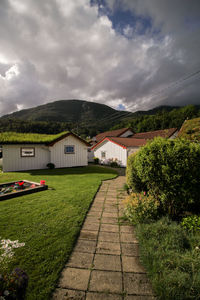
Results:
x,y
163,182
38,231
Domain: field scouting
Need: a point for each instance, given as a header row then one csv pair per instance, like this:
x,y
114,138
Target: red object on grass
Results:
x,y
21,183
42,182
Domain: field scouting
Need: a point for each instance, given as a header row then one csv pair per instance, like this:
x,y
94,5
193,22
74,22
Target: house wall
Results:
x,y
131,150
174,135
112,151
127,133
90,155
62,160
12,160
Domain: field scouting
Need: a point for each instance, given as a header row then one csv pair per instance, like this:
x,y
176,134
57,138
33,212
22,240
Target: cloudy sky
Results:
x,y
128,54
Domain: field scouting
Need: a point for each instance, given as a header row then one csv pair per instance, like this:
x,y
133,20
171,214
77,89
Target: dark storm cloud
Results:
x,y
57,49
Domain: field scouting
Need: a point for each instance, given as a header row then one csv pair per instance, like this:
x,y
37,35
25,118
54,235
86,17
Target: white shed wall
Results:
x,y
12,160
62,160
112,151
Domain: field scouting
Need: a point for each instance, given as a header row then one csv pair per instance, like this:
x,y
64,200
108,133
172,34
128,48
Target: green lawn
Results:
x,y
48,222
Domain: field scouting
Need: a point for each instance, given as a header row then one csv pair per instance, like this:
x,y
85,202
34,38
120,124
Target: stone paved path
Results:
x,y
104,264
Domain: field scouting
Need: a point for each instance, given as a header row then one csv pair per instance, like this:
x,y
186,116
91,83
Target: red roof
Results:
x,y
114,133
123,142
166,133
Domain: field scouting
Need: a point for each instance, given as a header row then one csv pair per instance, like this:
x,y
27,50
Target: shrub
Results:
x,y
132,179
114,163
170,170
96,160
191,223
141,208
51,166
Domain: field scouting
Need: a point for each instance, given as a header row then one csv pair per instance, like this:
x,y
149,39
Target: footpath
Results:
x,y
104,264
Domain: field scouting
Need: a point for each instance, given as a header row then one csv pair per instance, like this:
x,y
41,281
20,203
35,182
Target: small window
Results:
x,y
69,149
27,152
103,154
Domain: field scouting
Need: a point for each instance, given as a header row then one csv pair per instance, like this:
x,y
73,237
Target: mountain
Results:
x,y
66,111
84,117
89,118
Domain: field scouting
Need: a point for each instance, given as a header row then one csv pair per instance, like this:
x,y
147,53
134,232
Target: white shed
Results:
x,y
116,149
63,150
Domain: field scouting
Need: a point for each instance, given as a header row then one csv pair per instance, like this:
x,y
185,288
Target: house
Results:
x,y
119,148
34,151
170,133
123,132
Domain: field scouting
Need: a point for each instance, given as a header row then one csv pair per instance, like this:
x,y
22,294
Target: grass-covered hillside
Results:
x,y
191,130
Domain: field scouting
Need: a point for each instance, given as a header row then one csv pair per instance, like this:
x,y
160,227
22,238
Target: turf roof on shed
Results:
x,y
30,138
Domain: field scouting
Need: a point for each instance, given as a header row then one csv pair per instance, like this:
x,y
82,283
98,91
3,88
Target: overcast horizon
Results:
x,y
130,55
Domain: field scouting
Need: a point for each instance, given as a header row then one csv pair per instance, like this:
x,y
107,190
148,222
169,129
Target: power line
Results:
x,y
173,84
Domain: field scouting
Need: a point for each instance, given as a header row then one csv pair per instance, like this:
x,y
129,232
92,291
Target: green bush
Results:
x,y
51,166
171,257
114,164
191,223
170,171
96,160
140,208
132,179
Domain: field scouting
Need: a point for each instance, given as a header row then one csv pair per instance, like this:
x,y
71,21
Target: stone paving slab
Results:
x,y
128,238
108,248
130,249
73,278
105,261
85,246
132,264
131,297
102,296
81,260
108,220
66,294
88,235
104,281
109,228
108,237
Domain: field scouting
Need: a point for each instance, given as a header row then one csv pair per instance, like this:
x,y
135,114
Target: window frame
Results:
x,y
65,147
26,148
104,155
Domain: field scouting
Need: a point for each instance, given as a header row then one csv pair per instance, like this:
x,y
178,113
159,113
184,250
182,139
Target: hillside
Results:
x,y
66,111
90,118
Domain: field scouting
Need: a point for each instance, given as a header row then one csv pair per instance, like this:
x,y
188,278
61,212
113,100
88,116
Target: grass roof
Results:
x,y
190,130
29,138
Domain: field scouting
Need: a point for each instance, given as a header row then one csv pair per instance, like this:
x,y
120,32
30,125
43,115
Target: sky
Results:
x,y
130,55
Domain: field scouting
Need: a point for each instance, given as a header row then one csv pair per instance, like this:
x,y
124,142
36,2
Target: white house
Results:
x,y
116,149
119,148
64,150
123,132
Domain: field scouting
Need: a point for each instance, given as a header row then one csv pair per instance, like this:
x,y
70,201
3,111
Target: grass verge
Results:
x,y
172,259
48,222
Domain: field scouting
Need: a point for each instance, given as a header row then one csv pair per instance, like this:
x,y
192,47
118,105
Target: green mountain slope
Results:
x,y
66,111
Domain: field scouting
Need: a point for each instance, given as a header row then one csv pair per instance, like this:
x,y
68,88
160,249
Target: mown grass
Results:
x,y
48,222
172,259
